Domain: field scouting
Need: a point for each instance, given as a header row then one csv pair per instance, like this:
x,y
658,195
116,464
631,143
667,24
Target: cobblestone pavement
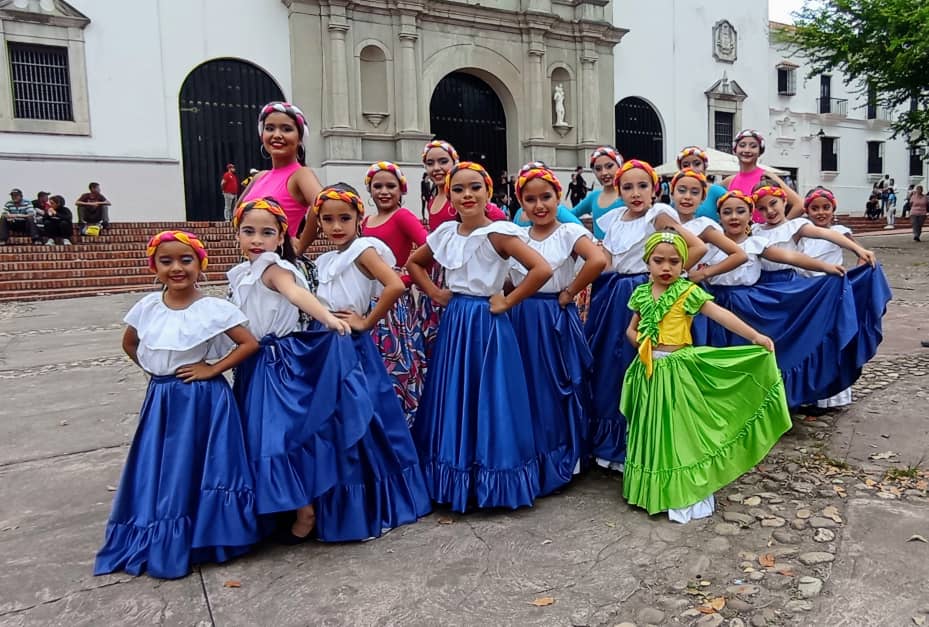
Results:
x,y
831,529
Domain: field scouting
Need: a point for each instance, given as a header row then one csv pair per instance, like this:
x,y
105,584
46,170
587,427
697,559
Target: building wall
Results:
x,y
138,54
795,123
667,59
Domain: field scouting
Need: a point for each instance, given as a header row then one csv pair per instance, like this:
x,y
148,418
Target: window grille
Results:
x,y
41,82
723,122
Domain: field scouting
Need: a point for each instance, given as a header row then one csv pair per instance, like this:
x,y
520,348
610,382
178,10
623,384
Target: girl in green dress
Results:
x,y
699,417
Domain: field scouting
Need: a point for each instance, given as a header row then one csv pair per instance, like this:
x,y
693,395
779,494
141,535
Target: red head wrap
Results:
x,y
749,133
438,143
266,204
820,192
739,195
636,164
768,190
347,196
176,236
527,174
469,165
692,174
386,166
606,151
693,151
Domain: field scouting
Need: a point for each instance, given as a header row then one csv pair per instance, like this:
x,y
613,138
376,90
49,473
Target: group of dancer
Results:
x,y
410,366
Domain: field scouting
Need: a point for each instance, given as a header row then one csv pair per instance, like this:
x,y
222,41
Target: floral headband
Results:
x,y
293,111
534,172
693,151
176,236
386,166
665,237
345,195
469,165
635,164
738,195
749,133
266,204
819,192
438,143
606,151
768,190
691,174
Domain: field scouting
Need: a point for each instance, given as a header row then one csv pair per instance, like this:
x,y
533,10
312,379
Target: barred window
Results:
x,y
41,82
724,129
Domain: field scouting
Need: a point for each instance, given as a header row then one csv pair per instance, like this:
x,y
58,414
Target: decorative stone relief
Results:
x,y
725,42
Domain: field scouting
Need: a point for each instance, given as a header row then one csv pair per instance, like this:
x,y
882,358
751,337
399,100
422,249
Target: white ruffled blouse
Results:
x,y
625,239
268,311
781,236
342,284
558,251
171,338
746,274
823,249
697,226
472,264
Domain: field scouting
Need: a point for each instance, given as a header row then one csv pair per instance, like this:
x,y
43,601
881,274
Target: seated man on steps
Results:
x,y
56,222
18,215
93,208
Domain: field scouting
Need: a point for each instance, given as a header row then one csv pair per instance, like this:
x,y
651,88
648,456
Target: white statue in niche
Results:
x,y
558,99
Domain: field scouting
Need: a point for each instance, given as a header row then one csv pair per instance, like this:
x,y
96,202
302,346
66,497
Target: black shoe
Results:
x,y
925,343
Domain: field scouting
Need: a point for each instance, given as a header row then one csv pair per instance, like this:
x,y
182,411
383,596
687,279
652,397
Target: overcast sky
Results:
x,y
779,10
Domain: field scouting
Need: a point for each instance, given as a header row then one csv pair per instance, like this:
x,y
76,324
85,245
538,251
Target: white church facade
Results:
x,y
152,99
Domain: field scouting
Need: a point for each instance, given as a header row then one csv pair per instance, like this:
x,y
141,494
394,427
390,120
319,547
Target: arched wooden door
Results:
x,y
219,104
638,131
466,112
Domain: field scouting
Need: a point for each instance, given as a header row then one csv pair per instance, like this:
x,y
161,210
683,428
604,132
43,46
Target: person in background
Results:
x,y
248,179
577,188
56,222
426,193
93,208
230,186
918,204
18,215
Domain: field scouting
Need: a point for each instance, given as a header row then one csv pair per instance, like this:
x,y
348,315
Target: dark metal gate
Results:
x,y
219,106
638,131
467,113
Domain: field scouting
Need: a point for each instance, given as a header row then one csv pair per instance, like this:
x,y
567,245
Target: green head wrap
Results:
x,y
666,237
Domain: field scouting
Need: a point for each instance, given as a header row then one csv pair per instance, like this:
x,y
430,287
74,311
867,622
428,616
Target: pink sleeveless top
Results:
x,y
745,182
273,183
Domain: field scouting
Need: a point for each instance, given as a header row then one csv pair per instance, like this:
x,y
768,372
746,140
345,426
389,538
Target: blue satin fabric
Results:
x,y
872,293
776,276
607,320
558,362
304,400
811,320
186,493
380,483
473,425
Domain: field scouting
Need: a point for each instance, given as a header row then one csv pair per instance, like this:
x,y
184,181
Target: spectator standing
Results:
x,y
56,222
918,205
248,179
230,187
93,208
426,193
18,215
906,202
577,188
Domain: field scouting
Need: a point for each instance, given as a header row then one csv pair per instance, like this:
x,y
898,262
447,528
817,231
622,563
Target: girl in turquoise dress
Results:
x,y
699,417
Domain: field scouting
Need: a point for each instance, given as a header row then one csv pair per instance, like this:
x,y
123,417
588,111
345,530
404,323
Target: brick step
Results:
x,y
12,263
96,285
54,294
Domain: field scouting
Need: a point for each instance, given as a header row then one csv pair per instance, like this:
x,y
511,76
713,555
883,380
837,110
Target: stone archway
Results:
x,y
465,111
218,103
638,131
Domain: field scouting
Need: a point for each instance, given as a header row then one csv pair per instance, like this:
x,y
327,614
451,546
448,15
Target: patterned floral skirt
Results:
x,y
429,313
400,340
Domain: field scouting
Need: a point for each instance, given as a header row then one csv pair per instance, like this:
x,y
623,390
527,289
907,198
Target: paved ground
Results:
x,y
827,531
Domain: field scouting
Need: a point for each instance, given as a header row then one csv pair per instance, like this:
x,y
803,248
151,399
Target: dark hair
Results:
x,y
287,251
59,200
91,186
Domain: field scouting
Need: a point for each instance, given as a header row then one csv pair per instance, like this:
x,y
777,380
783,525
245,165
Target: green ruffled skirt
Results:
x,y
706,416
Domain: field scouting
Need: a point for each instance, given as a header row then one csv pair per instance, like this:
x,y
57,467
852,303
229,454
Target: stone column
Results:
x,y
339,81
536,95
409,88
590,96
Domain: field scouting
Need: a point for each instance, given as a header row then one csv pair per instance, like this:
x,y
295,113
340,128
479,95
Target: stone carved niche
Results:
x,y
562,103
725,42
374,106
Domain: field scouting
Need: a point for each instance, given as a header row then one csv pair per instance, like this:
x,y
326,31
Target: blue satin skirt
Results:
x,y
305,402
558,362
380,483
776,276
811,320
607,320
473,425
186,493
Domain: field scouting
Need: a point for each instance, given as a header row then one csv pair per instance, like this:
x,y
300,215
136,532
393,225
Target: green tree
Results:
x,y
882,48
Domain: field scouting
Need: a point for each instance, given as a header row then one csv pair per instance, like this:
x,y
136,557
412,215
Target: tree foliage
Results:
x,y
883,44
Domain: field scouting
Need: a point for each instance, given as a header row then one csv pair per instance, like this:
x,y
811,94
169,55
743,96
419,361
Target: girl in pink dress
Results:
x,y
748,146
398,335
283,131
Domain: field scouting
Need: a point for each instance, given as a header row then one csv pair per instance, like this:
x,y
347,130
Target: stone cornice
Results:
x,y
62,14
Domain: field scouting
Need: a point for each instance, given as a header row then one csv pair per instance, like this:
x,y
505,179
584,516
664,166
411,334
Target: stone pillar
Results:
x,y
339,81
590,96
409,87
536,95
